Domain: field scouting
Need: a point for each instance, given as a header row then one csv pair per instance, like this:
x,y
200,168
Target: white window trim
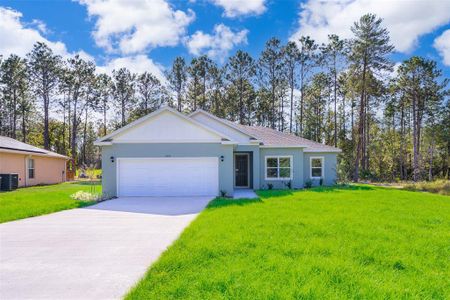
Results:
x,y
278,157
33,168
322,159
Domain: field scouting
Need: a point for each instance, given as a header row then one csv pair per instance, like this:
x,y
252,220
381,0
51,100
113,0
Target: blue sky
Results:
x,y
149,34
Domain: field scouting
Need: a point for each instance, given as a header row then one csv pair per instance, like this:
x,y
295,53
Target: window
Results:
x,y
30,168
316,167
278,167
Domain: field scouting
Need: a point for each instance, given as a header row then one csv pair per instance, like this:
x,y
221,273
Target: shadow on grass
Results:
x,y
223,202
336,188
274,193
95,182
264,194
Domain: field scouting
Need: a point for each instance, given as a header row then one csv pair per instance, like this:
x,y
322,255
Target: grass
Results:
x,y
357,242
439,187
40,200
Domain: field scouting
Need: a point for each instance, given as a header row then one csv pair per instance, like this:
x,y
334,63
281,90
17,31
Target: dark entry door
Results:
x,y
241,170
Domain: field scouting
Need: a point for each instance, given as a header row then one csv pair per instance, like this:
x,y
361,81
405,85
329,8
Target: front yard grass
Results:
x,y
40,200
358,242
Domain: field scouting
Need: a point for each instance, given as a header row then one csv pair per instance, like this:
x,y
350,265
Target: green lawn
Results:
x,y
40,200
360,242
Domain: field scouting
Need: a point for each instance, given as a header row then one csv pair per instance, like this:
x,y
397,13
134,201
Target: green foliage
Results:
x,y
325,243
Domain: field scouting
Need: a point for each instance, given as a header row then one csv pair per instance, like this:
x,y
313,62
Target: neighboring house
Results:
x,y
167,153
32,164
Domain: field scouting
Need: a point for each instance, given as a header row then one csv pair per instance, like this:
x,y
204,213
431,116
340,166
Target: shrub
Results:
x,y
288,184
86,196
270,186
223,193
308,184
321,181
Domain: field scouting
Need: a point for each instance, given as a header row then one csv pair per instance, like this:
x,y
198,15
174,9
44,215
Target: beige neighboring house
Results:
x,y
34,165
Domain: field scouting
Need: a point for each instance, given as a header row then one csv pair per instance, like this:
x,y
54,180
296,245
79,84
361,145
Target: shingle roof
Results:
x,y
8,143
272,137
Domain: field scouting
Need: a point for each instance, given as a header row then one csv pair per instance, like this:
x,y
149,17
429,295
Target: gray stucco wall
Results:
x,y
330,162
297,155
226,173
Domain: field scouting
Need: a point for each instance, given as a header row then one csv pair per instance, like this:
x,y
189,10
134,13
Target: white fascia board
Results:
x,y
322,151
187,141
100,143
229,143
29,153
282,146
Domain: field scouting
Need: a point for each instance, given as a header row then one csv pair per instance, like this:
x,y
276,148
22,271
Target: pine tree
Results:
x,y
45,68
177,78
369,50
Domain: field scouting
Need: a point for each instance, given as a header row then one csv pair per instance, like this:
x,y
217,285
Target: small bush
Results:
x,y
86,196
288,184
270,186
308,184
223,193
321,181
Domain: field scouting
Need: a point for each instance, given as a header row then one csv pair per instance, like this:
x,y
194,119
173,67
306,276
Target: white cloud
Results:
x,y
218,44
406,20
135,26
136,64
442,45
235,8
18,38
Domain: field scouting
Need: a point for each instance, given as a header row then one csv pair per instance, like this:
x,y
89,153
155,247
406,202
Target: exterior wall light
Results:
x,y
222,158
112,159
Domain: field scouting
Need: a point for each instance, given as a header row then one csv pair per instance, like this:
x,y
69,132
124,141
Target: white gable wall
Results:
x,y
166,127
218,126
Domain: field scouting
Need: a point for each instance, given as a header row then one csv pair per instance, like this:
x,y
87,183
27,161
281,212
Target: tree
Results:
x,y
418,80
14,81
271,75
150,93
291,56
177,78
316,96
333,55
217,91
368,55
80,79
44,67
123,89
240,70
307,61
198,72
103,89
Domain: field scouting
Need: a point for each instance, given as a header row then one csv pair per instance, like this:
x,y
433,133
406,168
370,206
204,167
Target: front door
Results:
x,y
241,165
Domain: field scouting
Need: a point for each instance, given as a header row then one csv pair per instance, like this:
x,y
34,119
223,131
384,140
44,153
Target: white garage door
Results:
x,y
168,176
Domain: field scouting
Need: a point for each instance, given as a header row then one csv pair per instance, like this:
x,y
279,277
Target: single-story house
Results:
x,y
33,165
168,153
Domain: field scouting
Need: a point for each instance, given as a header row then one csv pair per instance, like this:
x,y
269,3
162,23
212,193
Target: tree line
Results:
x,y
390,124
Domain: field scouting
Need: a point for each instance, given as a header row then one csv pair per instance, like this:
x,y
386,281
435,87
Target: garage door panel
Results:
x,y
168,177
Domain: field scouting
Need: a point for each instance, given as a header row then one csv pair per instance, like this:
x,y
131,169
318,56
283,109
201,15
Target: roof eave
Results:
x,y
282,146
322,151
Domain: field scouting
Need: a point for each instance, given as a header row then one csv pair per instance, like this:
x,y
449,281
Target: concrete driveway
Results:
x,y
98,252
